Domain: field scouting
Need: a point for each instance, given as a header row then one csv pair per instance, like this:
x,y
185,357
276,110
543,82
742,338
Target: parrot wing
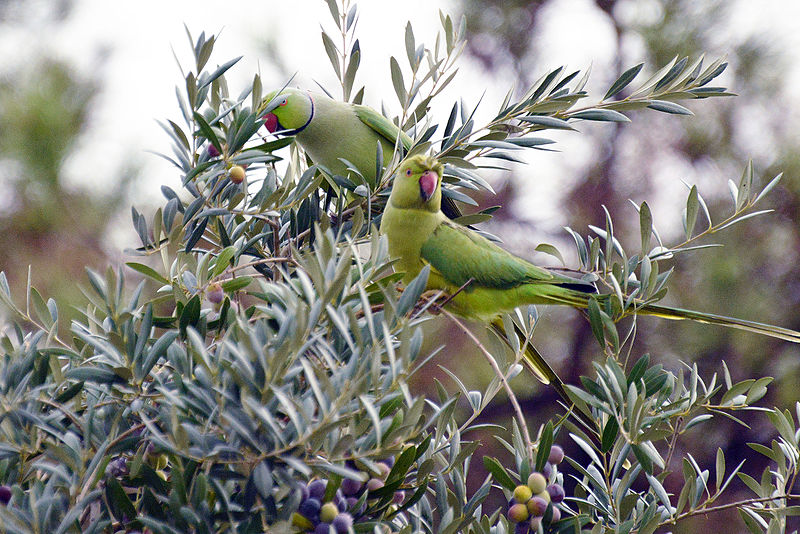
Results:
x,y
461,254
383,126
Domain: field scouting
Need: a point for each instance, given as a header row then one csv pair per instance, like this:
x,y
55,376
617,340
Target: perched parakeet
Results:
x,y
489,280
331,131
484,280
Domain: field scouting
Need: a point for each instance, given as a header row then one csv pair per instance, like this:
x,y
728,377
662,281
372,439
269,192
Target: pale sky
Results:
x,y
139,72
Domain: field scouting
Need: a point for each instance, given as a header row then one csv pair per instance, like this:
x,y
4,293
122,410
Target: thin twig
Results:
x,y
727,506
517,409
260,262
674,440
459,290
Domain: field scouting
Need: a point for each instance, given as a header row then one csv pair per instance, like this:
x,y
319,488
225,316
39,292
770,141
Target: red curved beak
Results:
x,y
427,184
271,122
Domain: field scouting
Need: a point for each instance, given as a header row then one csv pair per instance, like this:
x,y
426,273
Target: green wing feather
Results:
x,y
382,125
460,254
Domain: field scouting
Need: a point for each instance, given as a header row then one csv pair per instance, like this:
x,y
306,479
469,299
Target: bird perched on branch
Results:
x,y
485,280
332,132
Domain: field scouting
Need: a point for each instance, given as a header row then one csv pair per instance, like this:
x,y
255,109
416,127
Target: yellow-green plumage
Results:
x,y
488,279
493,280
329,131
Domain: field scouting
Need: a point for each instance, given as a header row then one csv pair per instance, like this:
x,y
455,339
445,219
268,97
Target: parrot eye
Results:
x,y
408,172
284,102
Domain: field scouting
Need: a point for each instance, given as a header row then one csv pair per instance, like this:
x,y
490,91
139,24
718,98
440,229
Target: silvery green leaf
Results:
x,y
530,142
623,81
333,5
690,218
669,107
351,17
469,176
546,121
645,226
714,70
720,468
605,115
494,144
768,187
743,218
397,80
413,291
410,45
333,53
219,72
671,74
457,195
745,186
352,68
648,85
660,492
551,250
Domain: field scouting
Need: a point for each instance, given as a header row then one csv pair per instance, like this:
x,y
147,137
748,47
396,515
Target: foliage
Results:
x,y
271,347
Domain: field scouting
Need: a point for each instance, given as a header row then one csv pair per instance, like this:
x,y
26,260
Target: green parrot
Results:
x,y
330,131
483,279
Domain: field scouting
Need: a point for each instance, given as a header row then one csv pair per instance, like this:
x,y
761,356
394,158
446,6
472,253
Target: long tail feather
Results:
x,y
533,360
580,299
539,367
667,312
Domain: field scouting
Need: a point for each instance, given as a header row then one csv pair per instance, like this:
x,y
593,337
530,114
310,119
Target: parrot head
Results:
x,y
288,112
417,184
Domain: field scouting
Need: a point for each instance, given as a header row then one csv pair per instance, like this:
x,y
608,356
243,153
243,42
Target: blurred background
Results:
x,y
82,83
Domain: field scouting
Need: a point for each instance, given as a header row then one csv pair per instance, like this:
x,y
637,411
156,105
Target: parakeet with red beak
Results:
x,y
330,131
493,280
485,279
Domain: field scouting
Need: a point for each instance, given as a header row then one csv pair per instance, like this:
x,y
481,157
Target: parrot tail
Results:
x,y
679,314
539,367
558,294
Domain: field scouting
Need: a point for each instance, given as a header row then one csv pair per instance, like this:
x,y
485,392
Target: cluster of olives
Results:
x,y
5,495
318,517
348,505
530,501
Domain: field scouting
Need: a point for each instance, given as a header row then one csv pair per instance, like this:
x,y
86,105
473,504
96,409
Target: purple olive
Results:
x,y
316,488
310,508
556,492
537,506
351,487
5,495
556,515
342,523
556,455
